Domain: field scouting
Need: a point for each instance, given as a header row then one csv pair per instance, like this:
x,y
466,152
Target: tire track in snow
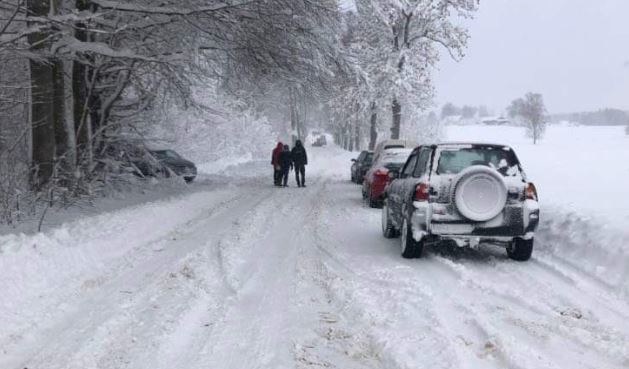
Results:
x,y
559,312
102,313
181,345
257,326
515,305
334,338
585,283
374,302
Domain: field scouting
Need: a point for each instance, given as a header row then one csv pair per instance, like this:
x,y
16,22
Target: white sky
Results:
x,y
574,52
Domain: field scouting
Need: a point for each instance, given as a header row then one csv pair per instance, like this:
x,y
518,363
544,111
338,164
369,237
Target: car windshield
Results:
x,y
454,160
166,154
368,157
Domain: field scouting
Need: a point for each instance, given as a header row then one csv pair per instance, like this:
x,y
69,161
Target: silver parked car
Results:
x,y
463,192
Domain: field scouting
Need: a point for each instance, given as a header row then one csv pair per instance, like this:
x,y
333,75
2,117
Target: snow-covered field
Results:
x,y
239,274
580,169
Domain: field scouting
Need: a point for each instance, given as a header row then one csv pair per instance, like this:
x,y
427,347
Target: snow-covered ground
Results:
x,y
239,274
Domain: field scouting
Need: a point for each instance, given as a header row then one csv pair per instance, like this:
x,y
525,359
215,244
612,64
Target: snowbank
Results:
x,y
576,243
218,166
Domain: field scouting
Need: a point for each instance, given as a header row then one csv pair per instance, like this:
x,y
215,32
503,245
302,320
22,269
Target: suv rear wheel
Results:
x,y
520,249
411,249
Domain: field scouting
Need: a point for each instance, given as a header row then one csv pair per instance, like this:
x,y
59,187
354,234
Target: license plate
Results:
x,y
452,228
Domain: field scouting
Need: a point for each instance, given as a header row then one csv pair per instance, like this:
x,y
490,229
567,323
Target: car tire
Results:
x,y
189,179
520,249
411,249
388,229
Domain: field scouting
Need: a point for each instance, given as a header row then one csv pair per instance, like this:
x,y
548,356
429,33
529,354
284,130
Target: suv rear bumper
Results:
x,y
516,220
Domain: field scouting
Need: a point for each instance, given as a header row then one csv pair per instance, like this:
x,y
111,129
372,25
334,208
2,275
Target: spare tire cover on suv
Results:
x,y
480,193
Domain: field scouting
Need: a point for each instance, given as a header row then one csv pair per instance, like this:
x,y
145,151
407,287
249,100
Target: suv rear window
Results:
x,y
454,160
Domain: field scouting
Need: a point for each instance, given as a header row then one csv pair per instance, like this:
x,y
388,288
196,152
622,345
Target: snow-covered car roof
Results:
x,y
395,155
397,151
464,144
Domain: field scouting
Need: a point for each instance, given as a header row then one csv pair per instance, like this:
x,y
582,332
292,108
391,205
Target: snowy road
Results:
x,y
250,276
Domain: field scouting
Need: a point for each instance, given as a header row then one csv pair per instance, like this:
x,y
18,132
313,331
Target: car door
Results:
x,y
356,164
419,174
396,190
364,165
360,162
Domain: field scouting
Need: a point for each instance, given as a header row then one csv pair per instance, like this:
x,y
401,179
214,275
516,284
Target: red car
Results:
x,y
381,173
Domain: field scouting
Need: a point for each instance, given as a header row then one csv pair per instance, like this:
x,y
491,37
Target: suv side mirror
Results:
x,y
354,160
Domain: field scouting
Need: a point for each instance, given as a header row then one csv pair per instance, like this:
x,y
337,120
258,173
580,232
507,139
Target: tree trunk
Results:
x,y
42,123
294,124
357,136
396,109
80,89
43,133
62,135
80,114
373,132
301,132
350,137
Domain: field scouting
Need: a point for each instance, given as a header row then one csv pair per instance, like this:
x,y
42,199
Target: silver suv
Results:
x,y
468,193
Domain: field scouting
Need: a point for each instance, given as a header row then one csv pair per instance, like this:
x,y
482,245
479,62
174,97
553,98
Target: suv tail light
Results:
x,y
530,193
422,192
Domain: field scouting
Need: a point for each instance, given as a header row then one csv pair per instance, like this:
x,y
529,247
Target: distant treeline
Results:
x,y
603,117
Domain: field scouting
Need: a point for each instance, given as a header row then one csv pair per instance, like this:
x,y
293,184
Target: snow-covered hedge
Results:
x,y
223,133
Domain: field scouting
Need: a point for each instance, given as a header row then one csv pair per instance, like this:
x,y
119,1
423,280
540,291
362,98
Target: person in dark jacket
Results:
x,y
275,161
286,162
300,160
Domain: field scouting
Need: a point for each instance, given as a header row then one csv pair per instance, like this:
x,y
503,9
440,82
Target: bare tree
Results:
x,y
131,59
468,111
483,111
394,46
532,111
449,109
411,34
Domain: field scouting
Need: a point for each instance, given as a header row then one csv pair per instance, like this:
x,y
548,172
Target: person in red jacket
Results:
x,y
276,162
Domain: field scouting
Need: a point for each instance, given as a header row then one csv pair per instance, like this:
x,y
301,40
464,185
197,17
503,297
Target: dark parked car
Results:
x,y
174,163
360,166
464,193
